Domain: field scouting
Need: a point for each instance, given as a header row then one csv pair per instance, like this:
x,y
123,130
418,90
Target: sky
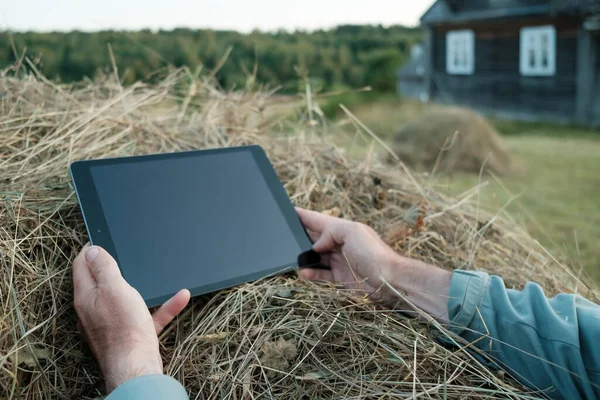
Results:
x,y
240,15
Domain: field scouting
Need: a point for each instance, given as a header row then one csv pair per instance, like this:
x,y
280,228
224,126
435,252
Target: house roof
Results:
x,y
440,12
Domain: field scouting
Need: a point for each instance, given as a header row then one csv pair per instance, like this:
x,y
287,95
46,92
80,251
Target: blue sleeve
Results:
x,y
548,344
149,387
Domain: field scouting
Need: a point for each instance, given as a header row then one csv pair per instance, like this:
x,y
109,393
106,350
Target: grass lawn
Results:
x,y
557,196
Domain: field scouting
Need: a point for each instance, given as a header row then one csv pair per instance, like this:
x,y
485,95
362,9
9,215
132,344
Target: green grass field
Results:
x,y
556,196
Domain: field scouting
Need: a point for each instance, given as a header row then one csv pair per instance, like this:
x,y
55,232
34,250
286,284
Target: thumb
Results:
x,y
165,313
326,243
312,220
334,235
102,265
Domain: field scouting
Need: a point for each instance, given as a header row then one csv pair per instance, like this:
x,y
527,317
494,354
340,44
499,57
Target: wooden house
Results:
x,y
524,59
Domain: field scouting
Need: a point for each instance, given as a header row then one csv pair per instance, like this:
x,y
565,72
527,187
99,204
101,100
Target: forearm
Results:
x,y
548,344
414,284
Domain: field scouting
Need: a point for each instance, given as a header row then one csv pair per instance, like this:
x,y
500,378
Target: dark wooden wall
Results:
x,y
497,83
596,102
479,5
574,5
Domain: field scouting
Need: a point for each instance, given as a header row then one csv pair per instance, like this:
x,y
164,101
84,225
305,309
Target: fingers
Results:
x,y
165,313
315,274
329,230
313,220
102,265
314,236
325,243
333,235
83,279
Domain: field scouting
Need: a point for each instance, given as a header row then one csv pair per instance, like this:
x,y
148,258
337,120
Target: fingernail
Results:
x,y
91,253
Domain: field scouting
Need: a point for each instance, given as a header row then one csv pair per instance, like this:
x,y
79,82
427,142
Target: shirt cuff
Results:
x,y
467,290
149,387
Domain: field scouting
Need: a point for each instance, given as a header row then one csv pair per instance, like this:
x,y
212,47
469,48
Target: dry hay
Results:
x,y
279,337
451,139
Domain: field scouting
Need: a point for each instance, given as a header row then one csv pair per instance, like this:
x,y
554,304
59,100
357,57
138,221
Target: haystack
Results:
x,y
277,338
449,139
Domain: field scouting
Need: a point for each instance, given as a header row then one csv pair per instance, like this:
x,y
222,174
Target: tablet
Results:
x,y
201,220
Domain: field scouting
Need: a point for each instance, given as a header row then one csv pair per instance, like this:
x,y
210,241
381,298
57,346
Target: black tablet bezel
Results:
x,y
99,234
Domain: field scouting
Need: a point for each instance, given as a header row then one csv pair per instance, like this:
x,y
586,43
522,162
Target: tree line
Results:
x,y
345,56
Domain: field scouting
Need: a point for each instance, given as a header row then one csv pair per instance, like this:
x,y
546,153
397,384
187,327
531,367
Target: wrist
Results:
x,y
390,276
415,284
136,357
123,369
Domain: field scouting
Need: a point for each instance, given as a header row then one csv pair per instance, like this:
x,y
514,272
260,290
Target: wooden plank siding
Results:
x,y
475,5
497,82
596,99
589,6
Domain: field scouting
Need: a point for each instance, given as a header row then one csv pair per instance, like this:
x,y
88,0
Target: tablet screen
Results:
x,y
195,220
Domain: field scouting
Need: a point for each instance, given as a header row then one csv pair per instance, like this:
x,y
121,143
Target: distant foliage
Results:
x,y
345,56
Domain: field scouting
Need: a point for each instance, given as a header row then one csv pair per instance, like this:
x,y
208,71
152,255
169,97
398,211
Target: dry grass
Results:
x,y
452,139
280,337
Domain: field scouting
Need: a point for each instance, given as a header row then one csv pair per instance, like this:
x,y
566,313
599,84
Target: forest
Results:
x,y
345,56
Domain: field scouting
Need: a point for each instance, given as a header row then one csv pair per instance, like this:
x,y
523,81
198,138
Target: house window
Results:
x,y
460,52
538,51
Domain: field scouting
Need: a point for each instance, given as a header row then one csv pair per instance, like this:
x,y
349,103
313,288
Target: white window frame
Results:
x,y
535,42
460,52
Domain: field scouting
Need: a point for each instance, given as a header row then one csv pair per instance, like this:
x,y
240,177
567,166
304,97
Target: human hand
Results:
x,y
361,261
115,320
357,256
